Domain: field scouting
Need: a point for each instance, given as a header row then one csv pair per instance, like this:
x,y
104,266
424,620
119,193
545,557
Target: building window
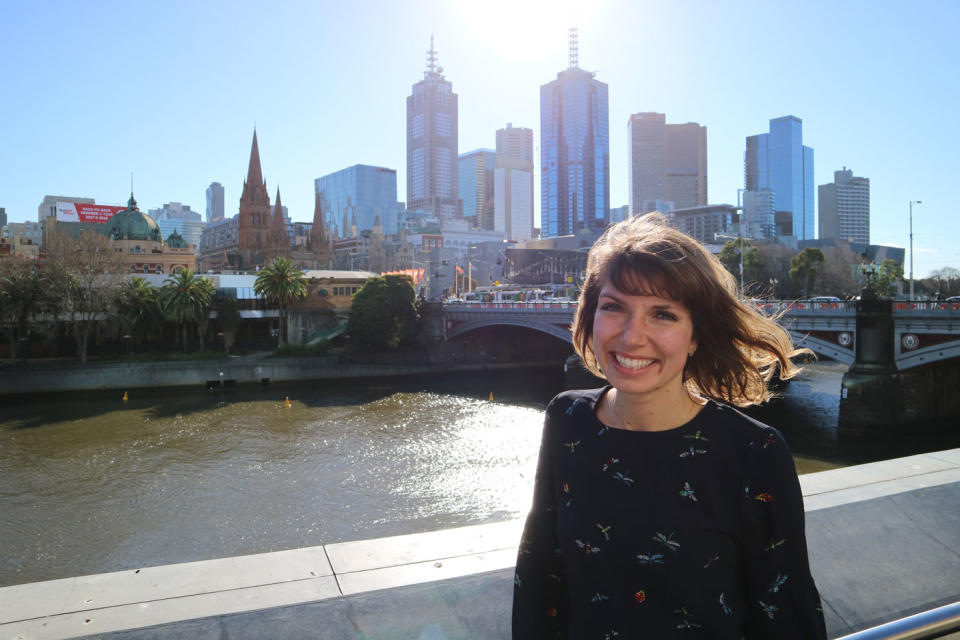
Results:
x,y
146,268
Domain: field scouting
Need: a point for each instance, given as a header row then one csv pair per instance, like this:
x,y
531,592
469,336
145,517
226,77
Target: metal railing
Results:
x,y
934,623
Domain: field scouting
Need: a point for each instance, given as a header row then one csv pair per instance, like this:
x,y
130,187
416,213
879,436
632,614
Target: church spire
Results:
x,y
254,174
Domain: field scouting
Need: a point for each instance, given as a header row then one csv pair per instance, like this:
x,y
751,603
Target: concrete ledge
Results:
x,y
134,599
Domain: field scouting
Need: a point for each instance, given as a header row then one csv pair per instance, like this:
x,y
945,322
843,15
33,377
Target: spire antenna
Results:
x,y
431,57
574,50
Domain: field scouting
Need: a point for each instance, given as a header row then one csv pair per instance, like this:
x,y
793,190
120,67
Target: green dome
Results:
x,y
132,224
176,241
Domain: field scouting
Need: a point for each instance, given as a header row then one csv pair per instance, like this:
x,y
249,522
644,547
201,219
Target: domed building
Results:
x,y
137,237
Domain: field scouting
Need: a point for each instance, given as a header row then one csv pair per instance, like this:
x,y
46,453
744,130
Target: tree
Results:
x,y
83,273
23,288
947,281
730,259
228,319
884,281
384,314
138,308
774,272
805,267
280,283
186,297
841,274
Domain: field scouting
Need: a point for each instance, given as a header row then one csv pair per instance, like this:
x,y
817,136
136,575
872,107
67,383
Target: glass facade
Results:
x,y
476,183
574,154
355,196
778,161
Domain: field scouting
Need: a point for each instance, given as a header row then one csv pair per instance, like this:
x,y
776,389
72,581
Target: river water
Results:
x,y
90,484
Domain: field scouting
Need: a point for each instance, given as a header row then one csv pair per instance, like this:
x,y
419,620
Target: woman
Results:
x,y
659,511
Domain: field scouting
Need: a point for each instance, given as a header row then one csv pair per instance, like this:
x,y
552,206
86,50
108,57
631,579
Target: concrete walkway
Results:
x,y
884,543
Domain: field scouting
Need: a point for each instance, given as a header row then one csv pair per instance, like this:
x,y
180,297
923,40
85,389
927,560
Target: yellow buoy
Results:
x,y
491,396
125,398
288,402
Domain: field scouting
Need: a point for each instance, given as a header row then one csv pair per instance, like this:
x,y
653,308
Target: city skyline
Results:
x,y
870,84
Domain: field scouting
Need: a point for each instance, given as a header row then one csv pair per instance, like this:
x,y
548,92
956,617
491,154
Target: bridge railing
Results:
x,y
528,305
931,306
935,623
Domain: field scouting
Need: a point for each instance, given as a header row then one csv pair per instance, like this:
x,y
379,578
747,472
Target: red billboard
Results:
x,y
82,212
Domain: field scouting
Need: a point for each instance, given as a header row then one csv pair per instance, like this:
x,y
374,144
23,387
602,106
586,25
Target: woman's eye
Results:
x,y
666,315
609,306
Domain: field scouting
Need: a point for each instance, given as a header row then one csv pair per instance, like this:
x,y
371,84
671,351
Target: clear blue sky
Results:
x,y
95,90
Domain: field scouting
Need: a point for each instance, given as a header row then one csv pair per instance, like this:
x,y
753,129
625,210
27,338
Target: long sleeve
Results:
x,y
539,592
781,597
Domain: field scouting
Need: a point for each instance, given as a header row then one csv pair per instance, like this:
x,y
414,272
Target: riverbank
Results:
x,y
258,369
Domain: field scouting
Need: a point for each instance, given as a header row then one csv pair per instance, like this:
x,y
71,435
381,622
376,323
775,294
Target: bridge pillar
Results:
x,y
871,395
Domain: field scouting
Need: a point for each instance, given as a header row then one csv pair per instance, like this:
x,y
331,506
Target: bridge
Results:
x,y
924,332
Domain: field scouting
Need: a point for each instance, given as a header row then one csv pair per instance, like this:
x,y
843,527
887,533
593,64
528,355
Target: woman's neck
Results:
x,y
668,410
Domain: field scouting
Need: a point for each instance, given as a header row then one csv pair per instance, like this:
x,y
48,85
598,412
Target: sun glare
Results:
x,y
523,30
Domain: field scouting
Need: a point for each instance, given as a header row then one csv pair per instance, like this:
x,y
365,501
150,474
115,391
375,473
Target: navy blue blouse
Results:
x,y
697,531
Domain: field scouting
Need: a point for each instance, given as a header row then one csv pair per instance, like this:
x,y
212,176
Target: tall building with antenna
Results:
x,y
574,151
432,176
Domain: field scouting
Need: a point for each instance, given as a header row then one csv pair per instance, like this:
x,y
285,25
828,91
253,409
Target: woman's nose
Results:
x,y
635,331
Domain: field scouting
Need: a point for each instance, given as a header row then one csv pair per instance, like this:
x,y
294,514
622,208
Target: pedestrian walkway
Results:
x,y
884,543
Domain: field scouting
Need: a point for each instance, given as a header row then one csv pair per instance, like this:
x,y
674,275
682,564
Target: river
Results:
x,y
91,484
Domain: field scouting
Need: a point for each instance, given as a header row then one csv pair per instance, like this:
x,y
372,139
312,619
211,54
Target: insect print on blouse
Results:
x,y
516,580
723,605
687,492
768,609
763,497
769,440
603,430
572,445
640,596
692,453
653,558
608,463
598,597
774,544
588,549
605,530
573,407
698,436
667,541
687,621
624,478
566,494
611,634
778,582
711,561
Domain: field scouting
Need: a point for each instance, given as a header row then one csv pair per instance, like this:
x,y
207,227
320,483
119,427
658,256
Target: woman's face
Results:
x,y
642,342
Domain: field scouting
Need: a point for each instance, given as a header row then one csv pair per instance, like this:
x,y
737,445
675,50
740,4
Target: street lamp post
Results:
x,y
912,202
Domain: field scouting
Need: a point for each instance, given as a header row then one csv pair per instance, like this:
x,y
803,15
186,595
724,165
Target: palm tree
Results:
x,y
185,298
281,283
138,308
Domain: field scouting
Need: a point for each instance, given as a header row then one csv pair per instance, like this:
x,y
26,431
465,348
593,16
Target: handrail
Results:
x,y
934,623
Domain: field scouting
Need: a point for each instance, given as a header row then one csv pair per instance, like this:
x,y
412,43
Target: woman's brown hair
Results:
x,y
738,348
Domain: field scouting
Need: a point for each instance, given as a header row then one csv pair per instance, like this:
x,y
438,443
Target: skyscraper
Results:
x,y
215,207
667,162
432,183
574,151
475,175
778,161
845,208
513,183
355,196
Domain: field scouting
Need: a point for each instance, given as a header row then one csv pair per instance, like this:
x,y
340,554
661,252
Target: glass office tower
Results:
x,y
476,186
353,197
574,152
778,161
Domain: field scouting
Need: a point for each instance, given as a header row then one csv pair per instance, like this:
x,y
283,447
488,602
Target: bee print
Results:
x,y
698,436
653,558
778,582
609,463
711,561
774,544
640,596
573,407
687,492
769,440
566,494
768,609
587,547
763,497
611,634
692,453
667,541
688,624
598,597
605,530
572,445
723,605
624,478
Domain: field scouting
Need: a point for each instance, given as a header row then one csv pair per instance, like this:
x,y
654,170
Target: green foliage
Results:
x,y
137,306
280,283
805,267
24,288
730,258
884,282
186,298
384,314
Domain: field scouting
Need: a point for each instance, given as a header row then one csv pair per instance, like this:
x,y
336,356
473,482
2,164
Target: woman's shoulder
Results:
x,y
575,400
741,428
